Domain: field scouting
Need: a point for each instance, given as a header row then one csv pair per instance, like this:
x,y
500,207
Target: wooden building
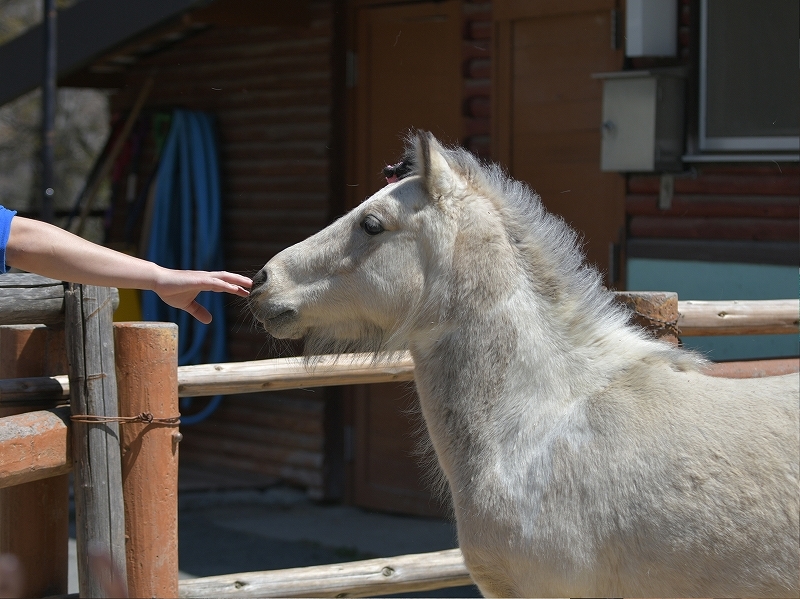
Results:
x,y
313,97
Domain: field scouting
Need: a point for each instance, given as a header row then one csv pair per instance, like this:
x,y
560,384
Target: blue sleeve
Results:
x,y
5,228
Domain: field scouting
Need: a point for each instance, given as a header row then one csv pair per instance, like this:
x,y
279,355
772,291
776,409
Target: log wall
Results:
x,y
269,88
273,92
736,207
477,55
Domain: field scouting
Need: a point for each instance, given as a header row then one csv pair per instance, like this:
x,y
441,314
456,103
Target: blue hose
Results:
x,y
186,235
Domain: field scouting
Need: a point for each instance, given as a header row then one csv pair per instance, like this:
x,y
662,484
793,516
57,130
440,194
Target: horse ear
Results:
x,y
436,173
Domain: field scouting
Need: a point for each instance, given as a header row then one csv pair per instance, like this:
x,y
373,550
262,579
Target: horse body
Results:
x,y
583,458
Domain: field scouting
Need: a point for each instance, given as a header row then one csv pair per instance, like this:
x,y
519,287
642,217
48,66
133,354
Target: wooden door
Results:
x,y
407,76
547,110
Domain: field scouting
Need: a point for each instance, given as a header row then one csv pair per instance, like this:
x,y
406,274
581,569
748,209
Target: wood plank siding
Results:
x,y
477,64
270,91
736,213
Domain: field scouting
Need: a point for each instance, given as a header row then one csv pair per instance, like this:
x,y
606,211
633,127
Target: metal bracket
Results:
x,y
666,190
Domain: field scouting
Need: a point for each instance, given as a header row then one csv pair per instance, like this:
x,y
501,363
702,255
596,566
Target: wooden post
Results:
x,y
34,517
99,512
655,311
147,374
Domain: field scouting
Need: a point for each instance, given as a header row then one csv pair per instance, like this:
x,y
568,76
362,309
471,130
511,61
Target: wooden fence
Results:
x,y
53,423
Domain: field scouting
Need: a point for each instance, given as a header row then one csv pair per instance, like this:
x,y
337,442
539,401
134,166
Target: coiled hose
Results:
x,y
186,235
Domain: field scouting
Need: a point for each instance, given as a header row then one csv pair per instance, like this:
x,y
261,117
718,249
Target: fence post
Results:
x,y
34,516
147,375
656,311
99,512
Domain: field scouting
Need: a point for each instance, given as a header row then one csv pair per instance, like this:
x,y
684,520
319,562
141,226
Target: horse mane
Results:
x,y
552,252
539,235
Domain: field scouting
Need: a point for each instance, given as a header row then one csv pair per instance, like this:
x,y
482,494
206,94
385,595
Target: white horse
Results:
x,y
584,457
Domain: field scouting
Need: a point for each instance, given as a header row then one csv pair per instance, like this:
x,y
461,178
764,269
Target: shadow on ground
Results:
x,y
248,530
244,531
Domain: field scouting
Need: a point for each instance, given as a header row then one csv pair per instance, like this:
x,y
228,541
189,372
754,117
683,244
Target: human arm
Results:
x,y
52,252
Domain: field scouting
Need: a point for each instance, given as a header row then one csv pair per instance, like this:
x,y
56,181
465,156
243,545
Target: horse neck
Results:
x,y
490,380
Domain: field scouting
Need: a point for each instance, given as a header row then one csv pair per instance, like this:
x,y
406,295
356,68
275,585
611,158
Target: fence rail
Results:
x,y
737,317
27,298
293,373
34,446
374,577
757,317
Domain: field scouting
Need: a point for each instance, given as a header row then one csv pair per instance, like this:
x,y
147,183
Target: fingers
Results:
x,y
234,279
229,282
199,312
179,288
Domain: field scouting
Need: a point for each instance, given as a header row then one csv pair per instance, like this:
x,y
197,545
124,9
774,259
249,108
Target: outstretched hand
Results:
x,y
179,288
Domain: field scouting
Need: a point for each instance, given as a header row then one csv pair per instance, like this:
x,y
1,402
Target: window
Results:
x,y
749,79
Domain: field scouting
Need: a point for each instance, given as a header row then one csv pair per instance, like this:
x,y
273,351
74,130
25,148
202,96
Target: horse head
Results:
x,y
369,279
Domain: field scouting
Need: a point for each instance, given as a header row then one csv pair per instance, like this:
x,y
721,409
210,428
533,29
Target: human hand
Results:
x,y
179,288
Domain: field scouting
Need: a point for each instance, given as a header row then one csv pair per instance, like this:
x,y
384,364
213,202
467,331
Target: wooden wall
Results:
x,y
477,53
728,205
275,92
270,90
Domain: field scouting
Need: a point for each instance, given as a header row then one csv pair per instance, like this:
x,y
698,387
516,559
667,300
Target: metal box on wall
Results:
x,y
643,120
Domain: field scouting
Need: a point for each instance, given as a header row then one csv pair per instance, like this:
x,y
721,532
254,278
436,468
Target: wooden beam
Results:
x,y
292,373
680,227
34,392
375,577
244,13
27,298
709,205
31,299
34,446
239,377
749,181
655,311
734,317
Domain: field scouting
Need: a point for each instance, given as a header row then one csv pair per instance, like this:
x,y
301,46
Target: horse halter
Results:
x,y
395,172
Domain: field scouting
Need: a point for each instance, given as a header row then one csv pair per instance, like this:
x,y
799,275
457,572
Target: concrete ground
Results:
x,y
231,531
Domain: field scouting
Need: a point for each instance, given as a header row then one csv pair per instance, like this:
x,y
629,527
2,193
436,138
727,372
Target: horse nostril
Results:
x,y
260,278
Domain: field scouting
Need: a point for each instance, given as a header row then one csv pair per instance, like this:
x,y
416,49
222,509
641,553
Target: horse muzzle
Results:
x,y
279,319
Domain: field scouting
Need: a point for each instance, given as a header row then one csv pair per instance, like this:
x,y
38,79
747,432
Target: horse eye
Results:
x,y
371,225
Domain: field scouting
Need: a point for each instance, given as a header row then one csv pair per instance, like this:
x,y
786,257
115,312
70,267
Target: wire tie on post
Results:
x,y
671,326
145,417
